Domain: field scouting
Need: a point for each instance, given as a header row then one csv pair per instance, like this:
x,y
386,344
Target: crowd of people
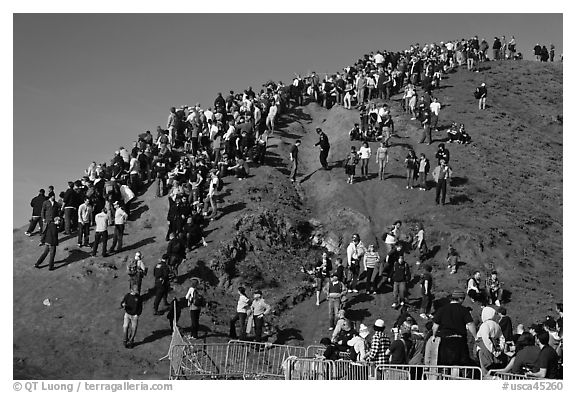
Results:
x,y
475,312
188,160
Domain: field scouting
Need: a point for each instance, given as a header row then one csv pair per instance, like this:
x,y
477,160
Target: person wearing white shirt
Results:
x,y
355,253
209,114
365,154
271,118
120,218
241,315
434,112
101,233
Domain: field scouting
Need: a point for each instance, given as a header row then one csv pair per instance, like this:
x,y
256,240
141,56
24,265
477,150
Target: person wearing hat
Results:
x,y
259,309
50,241
324,148
380,344
162,283
120,218
357,344
451,324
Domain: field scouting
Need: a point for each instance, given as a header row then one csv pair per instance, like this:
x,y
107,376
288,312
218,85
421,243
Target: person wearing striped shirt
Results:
x,y
371,267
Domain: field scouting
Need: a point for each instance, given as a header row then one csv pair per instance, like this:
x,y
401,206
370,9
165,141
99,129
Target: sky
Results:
x,y
86,84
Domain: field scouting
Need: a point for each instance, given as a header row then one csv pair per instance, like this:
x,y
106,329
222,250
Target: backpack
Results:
x,y
477,94
198,300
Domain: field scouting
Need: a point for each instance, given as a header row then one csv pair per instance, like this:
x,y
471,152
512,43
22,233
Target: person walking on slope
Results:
x,y
441,174
336,292
132,305
324,148
50,243
36,204
162,283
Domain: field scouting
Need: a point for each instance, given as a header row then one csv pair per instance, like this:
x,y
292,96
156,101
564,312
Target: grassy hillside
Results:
x,y
505,211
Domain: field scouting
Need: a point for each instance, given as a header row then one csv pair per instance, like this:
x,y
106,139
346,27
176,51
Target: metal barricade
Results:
x,y
354,371
308,369
509,376
199,361
385,373
260,360
424,372
312,350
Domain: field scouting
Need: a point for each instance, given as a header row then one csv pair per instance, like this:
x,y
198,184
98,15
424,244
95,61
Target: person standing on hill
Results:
x,y
241,315
120,218
423,169
365,154
441,174
451,323
401,276
350,163
195,302
382,159
481,93
294,160
496,45
371,267
84,219
537,51
355,253
259,310
36,203
324,148
50,210
336,291
434,112
426,283
132,305
101,233
551,52
136,271
162,283
51,242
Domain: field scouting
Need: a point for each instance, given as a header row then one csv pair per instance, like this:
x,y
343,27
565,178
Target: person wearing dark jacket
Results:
x,y
50,210
132,305
482,92
443,154
324,148
401,277
176,306
496,45
162,283
72,201
176,251
50,243
36,204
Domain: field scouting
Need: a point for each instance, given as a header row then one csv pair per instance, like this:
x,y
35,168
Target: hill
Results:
x,y
505,211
